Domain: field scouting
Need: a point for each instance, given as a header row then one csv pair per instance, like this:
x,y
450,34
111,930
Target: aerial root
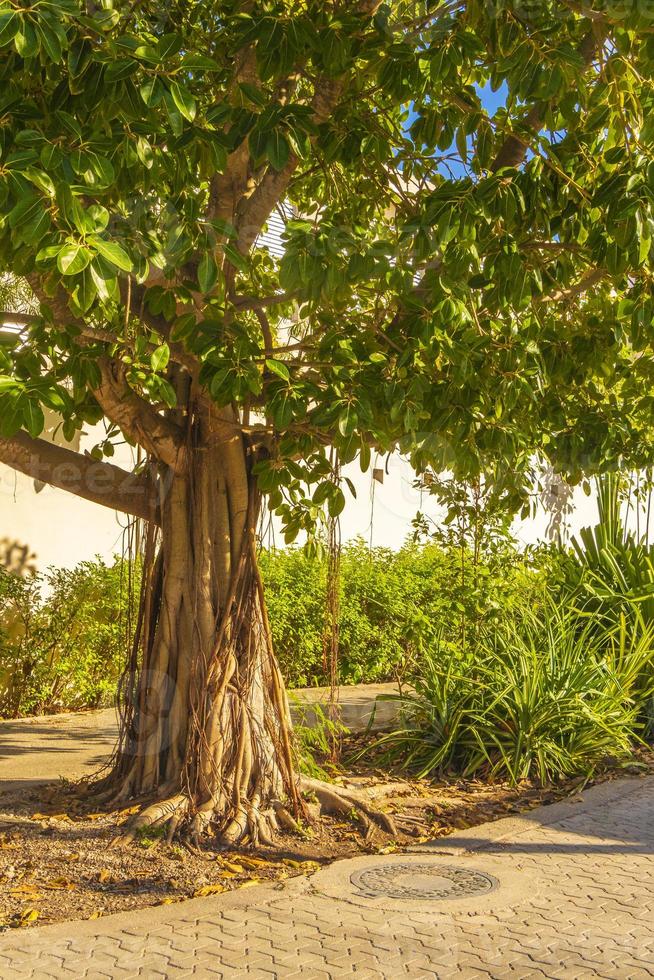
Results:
x,y
337,799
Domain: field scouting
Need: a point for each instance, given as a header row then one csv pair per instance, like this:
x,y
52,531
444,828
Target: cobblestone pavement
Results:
x,y
575,899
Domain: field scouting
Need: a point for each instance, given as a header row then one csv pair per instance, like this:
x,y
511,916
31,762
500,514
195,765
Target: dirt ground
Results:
x,y
58,859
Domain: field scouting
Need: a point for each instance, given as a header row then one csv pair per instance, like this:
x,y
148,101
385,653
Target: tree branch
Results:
x,y
514,149
102,483
255,208
139,420
589,279
161,326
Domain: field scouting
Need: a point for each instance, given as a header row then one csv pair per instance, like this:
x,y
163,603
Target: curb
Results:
x,y
476,838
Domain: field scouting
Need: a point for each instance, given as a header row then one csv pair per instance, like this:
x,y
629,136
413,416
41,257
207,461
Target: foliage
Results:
x,y
610,571
392,605
476,524
466,280
63,638
542,695
315,736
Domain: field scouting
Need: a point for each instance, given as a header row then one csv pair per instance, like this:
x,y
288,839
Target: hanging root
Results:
x,y
337,799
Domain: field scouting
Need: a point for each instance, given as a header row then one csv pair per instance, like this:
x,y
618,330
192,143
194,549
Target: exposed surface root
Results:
x,y
337,799
164,813
254,825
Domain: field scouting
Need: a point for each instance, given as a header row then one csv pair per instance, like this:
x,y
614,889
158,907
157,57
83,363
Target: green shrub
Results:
x,y
63,638
542,695
392,605
608,570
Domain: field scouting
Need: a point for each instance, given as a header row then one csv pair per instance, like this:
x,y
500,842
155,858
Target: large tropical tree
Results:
x,y
466,194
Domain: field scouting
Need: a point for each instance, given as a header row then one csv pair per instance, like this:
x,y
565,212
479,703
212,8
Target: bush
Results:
x,y
542,695
63,638
392,605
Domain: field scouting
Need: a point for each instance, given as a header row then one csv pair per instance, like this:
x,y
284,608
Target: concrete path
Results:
x,y
566,891
38,750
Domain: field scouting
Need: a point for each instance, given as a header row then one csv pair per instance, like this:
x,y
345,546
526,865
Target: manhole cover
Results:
x,y
421,881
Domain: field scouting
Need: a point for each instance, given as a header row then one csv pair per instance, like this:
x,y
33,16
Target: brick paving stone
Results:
x,y
591,916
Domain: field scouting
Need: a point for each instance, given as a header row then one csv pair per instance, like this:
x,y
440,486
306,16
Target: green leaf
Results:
x,y
167,393
112,252
33,418
85,291
183,327
53,398
225,228
207,272
105,19
160,357
183,100
152,91
105,285
98,217
12,404
336,503
41,180
277,150
254,94
278,368
24,210
50,40
9,24
116,71
237,259
322,492
174,115
73,258
199,62
26,40
144,151
169,45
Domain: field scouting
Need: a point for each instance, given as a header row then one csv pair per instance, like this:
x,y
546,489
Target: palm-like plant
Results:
x,y
544,695
611,571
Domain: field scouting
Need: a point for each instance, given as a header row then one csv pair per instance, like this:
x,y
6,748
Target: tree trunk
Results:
x,y
205,734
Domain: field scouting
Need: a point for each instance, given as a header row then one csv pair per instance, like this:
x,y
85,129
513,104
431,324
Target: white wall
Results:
x,y
60,529
63,530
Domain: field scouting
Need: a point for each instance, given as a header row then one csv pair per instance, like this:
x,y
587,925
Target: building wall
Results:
x,y
61,529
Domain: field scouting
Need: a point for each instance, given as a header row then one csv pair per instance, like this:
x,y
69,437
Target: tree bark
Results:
x,y
206,728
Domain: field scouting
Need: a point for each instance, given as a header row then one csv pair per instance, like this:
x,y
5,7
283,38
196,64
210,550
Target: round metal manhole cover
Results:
x,y
422,881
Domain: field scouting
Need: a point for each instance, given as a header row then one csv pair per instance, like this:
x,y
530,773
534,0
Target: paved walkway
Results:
x,y
38,750
564,892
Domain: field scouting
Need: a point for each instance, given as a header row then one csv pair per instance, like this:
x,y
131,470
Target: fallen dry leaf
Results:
x,y
62,884
304,866
208,890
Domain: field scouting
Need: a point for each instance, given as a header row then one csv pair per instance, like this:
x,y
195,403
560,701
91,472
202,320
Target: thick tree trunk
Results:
x,y
206,730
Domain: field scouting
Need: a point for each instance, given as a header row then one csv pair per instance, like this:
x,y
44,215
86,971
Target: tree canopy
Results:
x,y
466,190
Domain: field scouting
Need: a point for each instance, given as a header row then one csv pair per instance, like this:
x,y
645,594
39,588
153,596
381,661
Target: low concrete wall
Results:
x,y
357,707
